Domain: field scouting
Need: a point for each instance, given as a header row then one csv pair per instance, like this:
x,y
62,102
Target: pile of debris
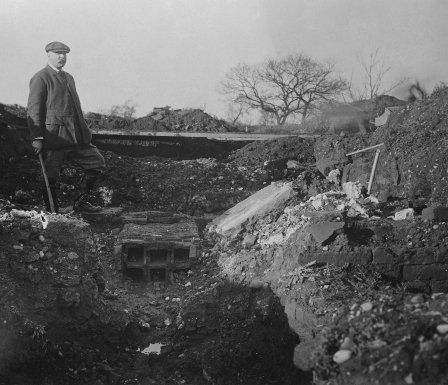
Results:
x,y
325,254
276,154
416,152
186,120
162,119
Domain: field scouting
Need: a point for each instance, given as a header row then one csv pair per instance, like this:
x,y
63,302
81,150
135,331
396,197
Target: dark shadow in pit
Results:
x,y
358,236
231,335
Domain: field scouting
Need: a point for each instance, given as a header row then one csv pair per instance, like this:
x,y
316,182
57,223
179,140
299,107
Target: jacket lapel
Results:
x,y
54,74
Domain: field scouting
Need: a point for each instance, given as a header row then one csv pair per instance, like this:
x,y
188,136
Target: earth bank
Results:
x,y
365,294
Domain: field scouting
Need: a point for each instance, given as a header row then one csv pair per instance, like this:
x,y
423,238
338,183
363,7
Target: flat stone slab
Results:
x,y
106,214
324,230
182,231
144,217
258,204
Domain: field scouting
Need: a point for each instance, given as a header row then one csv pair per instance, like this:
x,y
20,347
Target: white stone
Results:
x,y
342,355
352,189
347,344
367,306
334,176
404,214
72,255
408,379
417,299
317,204
372,199
442,329
152,349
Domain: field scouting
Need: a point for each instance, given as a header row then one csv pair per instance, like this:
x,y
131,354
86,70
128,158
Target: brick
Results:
x,y
419,286
381,231
359,257
439,286
389,271
382,255
435,213
421,256
437,272
249,240
441,254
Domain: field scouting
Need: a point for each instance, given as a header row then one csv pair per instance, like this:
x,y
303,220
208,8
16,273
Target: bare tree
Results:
x,y
373,74
294,85
235,113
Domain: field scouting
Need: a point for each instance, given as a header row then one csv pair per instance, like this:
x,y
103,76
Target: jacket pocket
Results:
x,y
58,136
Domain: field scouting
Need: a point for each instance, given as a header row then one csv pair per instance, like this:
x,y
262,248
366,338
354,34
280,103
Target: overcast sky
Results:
x,y
176,52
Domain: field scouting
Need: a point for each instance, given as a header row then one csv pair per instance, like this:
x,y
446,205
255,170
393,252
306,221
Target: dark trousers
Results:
x,y
88,158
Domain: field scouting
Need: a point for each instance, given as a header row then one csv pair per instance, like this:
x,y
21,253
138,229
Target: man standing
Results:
x,y
58,129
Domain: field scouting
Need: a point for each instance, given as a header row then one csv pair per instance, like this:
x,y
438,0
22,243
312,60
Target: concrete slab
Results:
x,y
324,230
258,204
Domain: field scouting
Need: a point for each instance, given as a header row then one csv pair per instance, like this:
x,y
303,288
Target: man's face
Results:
x,y
57,59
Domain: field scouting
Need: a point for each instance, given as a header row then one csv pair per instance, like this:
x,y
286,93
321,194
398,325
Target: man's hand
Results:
x,y
37,145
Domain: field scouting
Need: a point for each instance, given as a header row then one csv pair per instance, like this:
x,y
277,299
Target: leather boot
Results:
x,y
82,203
54,193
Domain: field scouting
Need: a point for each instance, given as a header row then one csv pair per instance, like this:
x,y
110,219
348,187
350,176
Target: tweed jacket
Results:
x,y
54,111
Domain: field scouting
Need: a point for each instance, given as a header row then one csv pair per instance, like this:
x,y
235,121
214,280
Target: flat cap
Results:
x,y
57,46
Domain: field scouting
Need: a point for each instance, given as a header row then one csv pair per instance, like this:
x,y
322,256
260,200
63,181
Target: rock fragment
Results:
x,y
342,355
442,328
404,214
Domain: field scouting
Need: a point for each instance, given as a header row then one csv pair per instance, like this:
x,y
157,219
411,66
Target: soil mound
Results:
x,y
256,154
416,141
187,120
162,119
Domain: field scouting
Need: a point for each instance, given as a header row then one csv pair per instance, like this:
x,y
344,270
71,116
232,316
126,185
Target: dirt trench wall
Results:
x,y
49,279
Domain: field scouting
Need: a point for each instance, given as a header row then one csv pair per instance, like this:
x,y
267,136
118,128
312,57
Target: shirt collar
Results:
x,y
52,66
